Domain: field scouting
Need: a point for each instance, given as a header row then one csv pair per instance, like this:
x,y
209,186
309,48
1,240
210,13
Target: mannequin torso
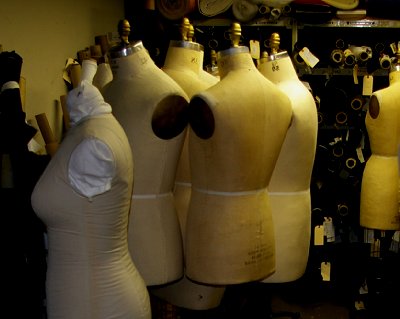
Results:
x,y
90,273
235,139
151,108
380,183
184,64
289,188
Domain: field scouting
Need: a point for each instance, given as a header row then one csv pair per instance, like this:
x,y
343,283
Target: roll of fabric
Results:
x,y
244,10
343,4
174,10
211,8
340,4
272,3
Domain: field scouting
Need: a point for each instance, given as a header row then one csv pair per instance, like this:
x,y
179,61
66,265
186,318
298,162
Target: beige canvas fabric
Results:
x,y
184,64
149,105
289,188
379,207
90,273
236,134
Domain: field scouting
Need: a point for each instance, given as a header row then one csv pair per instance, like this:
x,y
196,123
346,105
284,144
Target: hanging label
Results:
x,y
394,245
396,236
310,59
359,305
355,74
255,49
329,229
364,288
326,271
368,82
360,155
369,236
319,235
393,47
376,248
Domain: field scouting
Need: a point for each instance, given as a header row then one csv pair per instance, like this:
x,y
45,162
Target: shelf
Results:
x,y
225,22
289,22
329,71
363,23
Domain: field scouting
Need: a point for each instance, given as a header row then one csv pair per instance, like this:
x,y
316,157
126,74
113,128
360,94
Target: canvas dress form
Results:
x,y
379,202
83,197
151,108
235,139
184,64
289,188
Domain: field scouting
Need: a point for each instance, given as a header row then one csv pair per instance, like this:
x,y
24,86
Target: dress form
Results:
x,y
90,273
235,139
379,202
151,108
183,63
289,188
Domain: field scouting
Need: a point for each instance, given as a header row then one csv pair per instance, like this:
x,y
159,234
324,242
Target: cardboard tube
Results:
x,y
102,40
63,101
22,91
75,74
48,136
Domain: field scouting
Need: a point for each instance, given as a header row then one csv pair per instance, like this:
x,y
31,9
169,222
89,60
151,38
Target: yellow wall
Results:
x,y
47,32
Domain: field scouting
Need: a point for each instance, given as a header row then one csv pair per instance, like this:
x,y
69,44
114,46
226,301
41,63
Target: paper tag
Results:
x,y
376,248
359,305
368,82
319,235
362,142
70,61
310,59
355,74
393,47
363,289
360,155
394,246
326,271
255,49
329,229
369,236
